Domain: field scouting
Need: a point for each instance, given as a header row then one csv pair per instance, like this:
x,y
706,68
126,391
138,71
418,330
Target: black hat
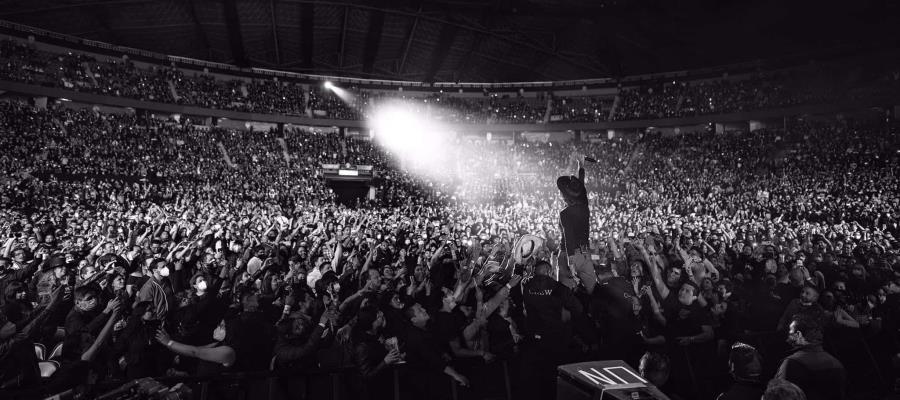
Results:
x,y
571,188
53,262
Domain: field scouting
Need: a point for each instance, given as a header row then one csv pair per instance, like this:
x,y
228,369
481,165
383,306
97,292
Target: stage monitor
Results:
x,y
603,380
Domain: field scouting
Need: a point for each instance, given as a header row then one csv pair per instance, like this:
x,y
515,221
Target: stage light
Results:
x,y
343,94
423,146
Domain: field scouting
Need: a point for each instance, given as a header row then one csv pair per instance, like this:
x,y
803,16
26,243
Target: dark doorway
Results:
x,y
348,192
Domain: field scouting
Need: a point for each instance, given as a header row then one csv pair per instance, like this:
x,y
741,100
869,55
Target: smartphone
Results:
x,y
392,344
519,269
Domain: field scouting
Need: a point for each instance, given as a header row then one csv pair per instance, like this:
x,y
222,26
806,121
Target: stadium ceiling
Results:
x,y
469,40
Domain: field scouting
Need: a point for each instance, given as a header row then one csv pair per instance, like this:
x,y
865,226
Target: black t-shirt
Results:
x,y
500,336
575,222
687,320
252,340
544,300
423,352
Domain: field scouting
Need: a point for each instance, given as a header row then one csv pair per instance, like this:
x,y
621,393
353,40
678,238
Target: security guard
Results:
x,y
549,306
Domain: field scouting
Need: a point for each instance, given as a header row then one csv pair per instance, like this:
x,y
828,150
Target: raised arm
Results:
x,y
489,307
224,355
91,352
336,260
285,352
658,281
614,248
8,247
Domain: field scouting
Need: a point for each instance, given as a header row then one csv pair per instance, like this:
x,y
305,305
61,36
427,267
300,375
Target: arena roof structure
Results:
x,y
469,40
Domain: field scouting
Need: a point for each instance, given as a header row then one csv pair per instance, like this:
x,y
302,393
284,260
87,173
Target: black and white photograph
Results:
x,y
450,199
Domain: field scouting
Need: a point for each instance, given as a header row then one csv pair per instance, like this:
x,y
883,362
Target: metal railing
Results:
x,y
251,385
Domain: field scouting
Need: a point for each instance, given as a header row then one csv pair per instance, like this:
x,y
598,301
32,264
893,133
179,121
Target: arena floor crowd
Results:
x,y
719,265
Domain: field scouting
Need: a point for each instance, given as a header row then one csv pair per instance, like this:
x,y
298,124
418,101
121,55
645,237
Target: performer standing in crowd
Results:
x,y
575,264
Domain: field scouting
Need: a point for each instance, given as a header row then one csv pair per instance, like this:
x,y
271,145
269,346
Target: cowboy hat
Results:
x,y
571,187
526,247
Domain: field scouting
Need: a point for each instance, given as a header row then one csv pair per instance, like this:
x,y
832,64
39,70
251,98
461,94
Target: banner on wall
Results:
x,y
596,136
536,136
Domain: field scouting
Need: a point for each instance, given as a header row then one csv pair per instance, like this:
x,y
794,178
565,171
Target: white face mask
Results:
x,y
164,271
219,334
201,286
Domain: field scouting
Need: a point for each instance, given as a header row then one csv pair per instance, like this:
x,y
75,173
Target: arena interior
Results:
x,y
449,199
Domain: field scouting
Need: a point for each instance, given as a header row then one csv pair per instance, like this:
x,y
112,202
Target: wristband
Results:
x,y
508,286
169,343
322,325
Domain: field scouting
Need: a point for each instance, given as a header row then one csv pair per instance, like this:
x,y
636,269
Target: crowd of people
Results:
x,y
149,248
737,265
165,83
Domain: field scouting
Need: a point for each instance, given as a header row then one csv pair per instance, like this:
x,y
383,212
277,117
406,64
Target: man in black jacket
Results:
x,y
819,374
8,274
371,356
427,361
746,369
18,364
549,305
85,320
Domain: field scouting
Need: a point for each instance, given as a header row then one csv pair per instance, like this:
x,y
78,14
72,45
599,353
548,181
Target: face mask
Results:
x,y
87,305
201,286
164,271
219,334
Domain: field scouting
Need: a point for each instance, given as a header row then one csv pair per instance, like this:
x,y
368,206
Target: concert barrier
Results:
x,y
342,383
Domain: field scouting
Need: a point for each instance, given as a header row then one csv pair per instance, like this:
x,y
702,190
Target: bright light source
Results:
x,y
328,85
420,144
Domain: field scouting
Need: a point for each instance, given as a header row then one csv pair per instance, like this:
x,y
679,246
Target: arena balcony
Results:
x,y
114,76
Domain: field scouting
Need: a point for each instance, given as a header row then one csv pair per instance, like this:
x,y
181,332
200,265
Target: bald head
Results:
x,y
542,268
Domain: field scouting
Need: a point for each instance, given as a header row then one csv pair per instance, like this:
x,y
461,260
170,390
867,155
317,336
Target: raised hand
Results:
x,y
393,357
112,306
